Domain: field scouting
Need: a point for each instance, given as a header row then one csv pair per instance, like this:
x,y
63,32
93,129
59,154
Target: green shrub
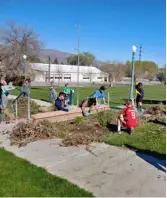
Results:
x,y
105,117
79,120
103,123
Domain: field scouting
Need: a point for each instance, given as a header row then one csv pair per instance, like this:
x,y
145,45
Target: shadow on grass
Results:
x,y
155,159
35,88
113,128
153,101
157,122
45,100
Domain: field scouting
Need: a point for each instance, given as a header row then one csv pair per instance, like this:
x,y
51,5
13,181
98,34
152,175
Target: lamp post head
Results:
x,y
24,57
134,48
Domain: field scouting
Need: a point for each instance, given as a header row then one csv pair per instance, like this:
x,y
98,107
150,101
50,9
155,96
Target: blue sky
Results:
x,y
108,27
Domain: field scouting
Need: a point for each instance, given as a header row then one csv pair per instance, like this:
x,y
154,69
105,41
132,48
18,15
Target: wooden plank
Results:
x,y
58,116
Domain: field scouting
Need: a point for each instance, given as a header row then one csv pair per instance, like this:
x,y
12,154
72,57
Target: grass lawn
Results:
x,y
117,94
149,136
19,178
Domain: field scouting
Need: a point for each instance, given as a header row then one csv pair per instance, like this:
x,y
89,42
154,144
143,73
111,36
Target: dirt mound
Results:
x,y
84,135
156,110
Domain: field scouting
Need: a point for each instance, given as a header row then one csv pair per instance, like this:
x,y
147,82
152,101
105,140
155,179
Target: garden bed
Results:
x,y
149,135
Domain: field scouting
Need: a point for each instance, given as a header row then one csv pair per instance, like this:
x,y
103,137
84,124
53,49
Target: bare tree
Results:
x,y
59,73
14,42
115,71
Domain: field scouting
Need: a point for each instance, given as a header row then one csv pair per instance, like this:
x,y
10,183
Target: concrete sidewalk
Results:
x,y
38,102
112,172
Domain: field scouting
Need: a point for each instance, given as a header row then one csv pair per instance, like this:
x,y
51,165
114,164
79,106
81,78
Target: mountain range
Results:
x,y
61,56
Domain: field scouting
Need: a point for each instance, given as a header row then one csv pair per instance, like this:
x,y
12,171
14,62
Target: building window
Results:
x,y
99,78
58,77
66,77
86,78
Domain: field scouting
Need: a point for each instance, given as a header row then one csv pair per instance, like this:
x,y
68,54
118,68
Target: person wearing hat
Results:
x,y
52,95
99,95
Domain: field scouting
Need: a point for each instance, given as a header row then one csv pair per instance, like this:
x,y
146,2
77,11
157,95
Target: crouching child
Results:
x,y
127,118
61,104
87,103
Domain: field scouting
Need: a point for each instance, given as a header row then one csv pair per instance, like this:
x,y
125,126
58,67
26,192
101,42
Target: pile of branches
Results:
x,y
26,132
72,135
157,110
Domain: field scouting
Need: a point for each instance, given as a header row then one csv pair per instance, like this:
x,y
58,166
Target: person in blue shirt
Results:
x,y
99,95
60,104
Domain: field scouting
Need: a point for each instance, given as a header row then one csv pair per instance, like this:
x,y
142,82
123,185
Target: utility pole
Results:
x,y
49,70
78,27
140,53
132,77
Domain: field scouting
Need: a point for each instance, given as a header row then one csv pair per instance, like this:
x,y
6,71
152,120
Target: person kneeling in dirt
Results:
x,y
127,118
90,102
60,103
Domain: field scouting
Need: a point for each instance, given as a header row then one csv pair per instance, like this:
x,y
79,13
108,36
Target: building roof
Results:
x,y
64,68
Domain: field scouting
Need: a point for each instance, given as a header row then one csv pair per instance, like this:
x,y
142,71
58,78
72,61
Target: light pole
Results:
x,y
25,71
28,96
132,77
78,27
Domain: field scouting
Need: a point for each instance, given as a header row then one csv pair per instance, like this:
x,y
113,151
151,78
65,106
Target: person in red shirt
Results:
x,y
127,118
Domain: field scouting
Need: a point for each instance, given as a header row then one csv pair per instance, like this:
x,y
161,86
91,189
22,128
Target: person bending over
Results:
x,y
127,118
90,102
60,104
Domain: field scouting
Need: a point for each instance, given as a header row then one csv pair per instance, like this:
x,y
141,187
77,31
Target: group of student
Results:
x,y
63,100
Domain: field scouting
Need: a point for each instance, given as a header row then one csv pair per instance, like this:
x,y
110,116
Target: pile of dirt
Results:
x,y
157,110
84,134
26,132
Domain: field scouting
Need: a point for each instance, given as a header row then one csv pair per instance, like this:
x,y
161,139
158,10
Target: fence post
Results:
x,y
16,110
28,117
108,98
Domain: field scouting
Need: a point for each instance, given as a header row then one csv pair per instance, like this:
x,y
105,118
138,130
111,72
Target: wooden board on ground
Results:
x,y
59,116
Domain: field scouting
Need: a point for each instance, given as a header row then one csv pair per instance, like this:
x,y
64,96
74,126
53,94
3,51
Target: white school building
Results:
x,y
67,73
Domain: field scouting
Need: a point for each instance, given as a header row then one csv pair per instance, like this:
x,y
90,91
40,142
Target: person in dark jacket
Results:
x,y
60,103
140,96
